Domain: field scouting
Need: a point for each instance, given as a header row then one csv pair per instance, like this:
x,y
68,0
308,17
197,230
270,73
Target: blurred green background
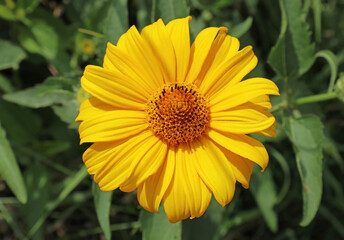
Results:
x,y
45,191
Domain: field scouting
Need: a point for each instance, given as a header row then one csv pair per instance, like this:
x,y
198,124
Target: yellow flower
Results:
x,y
172,120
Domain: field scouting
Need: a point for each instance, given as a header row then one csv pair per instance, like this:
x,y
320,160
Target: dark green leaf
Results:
x,y
300,35
171,9
9,168
306,134
102,202
11,55
263,189
205,227
155,226
37,183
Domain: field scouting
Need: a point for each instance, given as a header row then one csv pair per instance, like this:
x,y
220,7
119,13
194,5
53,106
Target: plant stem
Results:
x,y
89,32
315,98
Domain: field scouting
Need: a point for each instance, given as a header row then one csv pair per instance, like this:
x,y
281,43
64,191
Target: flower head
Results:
x,y
172,120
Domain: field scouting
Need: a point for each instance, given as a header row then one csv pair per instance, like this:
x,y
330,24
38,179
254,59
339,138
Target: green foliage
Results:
x,y
9,168
45,192
157,227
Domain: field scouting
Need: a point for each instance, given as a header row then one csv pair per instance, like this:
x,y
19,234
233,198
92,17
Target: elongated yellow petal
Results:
x,y
242,92
116,171
229,72
142,168
180,36
205,46
151,191
93,107
134,67
214,169
187,195
242,127
242,167
161,45
242,145
112,89
263,101
112,126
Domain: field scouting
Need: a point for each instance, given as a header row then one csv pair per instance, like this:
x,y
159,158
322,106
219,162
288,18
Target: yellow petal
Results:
x,y
187,195
214,169
151,191
229,72
242,127
116,170
242,92
242,167
112,126
180,37
141,169
263,101
242,145
92,107
134,67
115,90
203,51
161,45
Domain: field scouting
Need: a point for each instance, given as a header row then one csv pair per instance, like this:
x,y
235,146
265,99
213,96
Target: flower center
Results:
x,y
178,113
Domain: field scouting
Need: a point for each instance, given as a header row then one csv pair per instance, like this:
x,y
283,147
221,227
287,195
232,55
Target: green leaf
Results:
x,y
9,168
11,55
38,184
41,39
306,134
242,28
171,9
263,189
277,55
67,113
155,226
300,35
333,62
207,226
116,22
293,53
6,13
28,5
54,90
102,202
5,85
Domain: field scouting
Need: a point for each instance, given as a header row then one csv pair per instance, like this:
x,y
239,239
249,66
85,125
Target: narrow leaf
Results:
x,y
102,202
155,226
241,28
306,134
333,62
9,168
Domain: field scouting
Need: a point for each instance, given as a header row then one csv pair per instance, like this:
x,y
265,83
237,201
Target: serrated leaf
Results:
x,y
171,9
155,226
52,91
102,203
9,168
306,134
263,189
11,55
300,35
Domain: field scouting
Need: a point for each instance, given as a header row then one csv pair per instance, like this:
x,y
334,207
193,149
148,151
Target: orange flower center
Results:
x,y
178,113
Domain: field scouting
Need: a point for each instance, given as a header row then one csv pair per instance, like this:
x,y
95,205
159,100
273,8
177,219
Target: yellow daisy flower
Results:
x,y
172,120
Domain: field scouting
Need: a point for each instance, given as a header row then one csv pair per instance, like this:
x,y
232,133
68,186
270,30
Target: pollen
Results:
x,y
178,113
